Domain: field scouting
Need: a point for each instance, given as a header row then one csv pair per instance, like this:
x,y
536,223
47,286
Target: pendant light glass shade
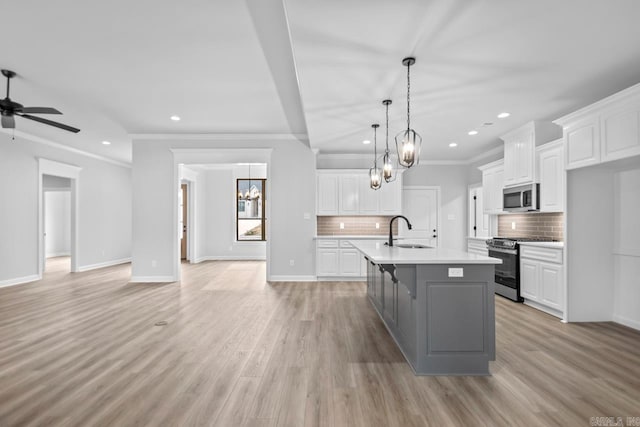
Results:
x,y
408,142
375,173
389,167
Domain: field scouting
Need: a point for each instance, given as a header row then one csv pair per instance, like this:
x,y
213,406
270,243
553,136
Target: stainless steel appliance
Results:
x,y
523,198
507,274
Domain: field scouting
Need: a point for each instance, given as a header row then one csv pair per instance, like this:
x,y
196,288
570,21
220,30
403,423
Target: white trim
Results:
x,y
544,308
635,324
291,278
104,264
229,258
51,167
219,137
60,146
341,279
57,254
152,279
19,280
485,154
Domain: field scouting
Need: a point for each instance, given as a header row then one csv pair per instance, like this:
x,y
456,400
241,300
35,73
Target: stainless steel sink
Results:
x,y
412,246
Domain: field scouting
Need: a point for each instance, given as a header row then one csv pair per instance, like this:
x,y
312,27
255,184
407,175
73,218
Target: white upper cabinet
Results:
x,y
552,176
347,192
520,151
327,194
492,185
604,131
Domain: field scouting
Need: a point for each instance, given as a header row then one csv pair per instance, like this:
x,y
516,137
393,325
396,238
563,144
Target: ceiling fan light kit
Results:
x,y
9,109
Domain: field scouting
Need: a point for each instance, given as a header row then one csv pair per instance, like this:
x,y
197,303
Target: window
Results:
x,y
250,221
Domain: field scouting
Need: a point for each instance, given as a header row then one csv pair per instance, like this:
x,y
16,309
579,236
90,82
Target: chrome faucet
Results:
x,y
390,243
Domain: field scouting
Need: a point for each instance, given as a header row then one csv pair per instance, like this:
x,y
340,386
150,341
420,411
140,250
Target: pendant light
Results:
x,y
388,167
375,174
408,142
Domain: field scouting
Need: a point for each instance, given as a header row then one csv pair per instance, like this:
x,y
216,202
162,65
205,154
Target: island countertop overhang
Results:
x,y
379,253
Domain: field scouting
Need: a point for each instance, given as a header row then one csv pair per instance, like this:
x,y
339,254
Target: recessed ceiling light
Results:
x,y
366,141
453,144
175,118
106,143
503,115
473,132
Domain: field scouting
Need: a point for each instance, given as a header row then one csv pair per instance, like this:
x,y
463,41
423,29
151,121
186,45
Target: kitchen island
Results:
x,y
438,305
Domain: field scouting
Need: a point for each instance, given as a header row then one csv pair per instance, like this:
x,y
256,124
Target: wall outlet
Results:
x,y
513,225
154,263
292,262
377,225
230,248
451,217
456,272
342,226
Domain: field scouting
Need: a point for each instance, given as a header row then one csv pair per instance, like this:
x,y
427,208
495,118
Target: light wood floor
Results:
x,y
82,349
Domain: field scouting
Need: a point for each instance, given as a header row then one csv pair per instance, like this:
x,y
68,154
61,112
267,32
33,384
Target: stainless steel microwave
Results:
x,y
523,198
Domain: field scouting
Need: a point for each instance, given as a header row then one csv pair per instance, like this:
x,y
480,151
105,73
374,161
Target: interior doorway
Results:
x,y
57,221
183,211
421,206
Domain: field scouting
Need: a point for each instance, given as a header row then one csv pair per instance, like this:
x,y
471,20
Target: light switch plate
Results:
x,y
306,215
342,226
456,272
451,217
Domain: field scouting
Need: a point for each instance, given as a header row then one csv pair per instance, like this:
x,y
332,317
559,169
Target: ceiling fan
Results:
x,y
9,109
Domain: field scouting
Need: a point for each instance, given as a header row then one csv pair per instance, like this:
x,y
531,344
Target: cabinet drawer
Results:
x,y
323,243
543,254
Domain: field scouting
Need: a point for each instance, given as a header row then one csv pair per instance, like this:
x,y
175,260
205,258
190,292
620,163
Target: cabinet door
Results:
x,y
349,262
391,197
551,285
620,134
510,157
327,194
390,299
529,280
552,180
328,262
348,195
582,144
368,199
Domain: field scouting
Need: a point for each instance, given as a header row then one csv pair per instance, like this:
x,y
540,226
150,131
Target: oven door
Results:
x,y
507,272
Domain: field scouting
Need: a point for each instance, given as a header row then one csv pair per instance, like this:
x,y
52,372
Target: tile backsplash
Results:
x,y
355,225
540,225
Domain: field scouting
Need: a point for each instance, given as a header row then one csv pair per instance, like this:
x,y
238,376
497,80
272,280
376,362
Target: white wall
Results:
x,y
292,194
216,226
104,205
453,183
57,223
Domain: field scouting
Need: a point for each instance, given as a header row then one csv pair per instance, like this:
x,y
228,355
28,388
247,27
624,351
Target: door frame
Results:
x,y
64,170
438,207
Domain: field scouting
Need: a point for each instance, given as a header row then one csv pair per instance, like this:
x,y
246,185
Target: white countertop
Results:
x,y
556,245
479,238
355,237
379,253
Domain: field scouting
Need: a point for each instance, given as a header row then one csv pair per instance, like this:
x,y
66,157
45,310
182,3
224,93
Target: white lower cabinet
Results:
x,y
337,258
542,278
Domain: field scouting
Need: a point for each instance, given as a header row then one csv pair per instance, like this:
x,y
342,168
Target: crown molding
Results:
x,y
485,154
220,136
44,141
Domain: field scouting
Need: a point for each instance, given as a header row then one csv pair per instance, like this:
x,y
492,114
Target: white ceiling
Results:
x,y
121,67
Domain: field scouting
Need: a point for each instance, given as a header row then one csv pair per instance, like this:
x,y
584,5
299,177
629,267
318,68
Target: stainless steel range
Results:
x,y
507,275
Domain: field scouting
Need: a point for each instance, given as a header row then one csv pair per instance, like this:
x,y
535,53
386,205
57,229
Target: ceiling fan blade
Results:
x,y
50,123
8,122
39,110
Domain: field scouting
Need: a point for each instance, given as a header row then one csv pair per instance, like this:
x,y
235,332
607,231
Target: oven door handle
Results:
x,y
503,251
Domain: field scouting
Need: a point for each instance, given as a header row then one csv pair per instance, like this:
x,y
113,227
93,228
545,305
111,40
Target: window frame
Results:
x,y
263,210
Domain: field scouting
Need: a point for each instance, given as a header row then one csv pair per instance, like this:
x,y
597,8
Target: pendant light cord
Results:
x,y
375,147
408,96
387,136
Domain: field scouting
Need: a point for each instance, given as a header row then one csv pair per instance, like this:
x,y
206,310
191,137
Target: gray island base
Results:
x,y
437,304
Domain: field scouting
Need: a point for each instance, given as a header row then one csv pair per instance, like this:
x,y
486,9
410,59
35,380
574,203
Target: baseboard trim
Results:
x,y
634,324
292,278
103,264
152,279
341,279
544,308
57,254
19,280
229,258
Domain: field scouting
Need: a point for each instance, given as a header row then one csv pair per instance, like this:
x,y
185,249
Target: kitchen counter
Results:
x,y
355,237
437,304
479,238
554,245
380,253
